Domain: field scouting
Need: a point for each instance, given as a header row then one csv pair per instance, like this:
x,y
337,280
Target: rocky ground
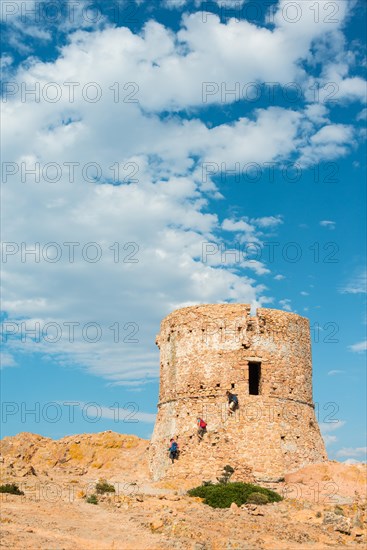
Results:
x,y
325,504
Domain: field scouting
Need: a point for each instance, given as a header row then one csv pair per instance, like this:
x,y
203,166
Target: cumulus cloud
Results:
x,y
353,452
5,61
7,360
327,427
150,237
328,224
359,347
174,4
329,142
268,221
23,23
356,285
107,166
285,304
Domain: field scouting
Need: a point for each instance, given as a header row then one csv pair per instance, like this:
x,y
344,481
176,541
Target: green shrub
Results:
x,y
11,488
222,495
258,498
103,487
338,510
92,499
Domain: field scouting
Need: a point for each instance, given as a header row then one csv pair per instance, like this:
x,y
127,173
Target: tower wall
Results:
x,y
206,350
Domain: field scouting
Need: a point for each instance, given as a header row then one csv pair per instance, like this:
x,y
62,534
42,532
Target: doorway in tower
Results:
x,y
254,376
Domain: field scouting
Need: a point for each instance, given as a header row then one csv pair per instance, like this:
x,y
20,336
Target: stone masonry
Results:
x,y
265,360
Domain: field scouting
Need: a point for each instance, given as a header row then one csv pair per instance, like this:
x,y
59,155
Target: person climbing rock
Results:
x,y
232,402
173,449
201,428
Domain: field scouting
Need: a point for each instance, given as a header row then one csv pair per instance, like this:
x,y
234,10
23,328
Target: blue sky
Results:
x,y
163,154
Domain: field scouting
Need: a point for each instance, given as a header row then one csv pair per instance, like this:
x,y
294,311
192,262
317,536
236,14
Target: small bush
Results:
x,y
103,487
318,514
226,474
11,488
258,498
92,499
222,495
207,483
338,510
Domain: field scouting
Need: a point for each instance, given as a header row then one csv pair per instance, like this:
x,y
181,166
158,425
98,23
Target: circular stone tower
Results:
x,y
265,360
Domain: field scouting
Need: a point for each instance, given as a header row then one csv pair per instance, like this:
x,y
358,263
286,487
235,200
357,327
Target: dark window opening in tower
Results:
x,y
254,373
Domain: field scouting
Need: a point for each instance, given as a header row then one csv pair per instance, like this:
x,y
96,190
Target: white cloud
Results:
x,y
17,9
328,224
7,360
205,52
164,219
279,277
351,461
304,293
335,85
174,4
23,19
166,211
258,267
334,372
327,427
359,347
30,18
268,221
333,133
226,4
232,225
5,61
317,113
353,452
357,284
330,142
285,304
329,439
352,89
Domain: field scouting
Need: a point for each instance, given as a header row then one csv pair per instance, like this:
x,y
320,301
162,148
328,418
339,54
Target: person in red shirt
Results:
x,y
201,428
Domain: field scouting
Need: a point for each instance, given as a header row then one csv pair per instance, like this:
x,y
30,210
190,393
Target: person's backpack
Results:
x,y
174,447
234,399
202,424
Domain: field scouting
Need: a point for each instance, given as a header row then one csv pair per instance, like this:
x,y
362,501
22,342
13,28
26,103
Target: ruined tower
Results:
x,y
265,360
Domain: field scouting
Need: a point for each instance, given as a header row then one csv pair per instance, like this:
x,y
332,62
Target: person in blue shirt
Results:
x,y
232,402
173,449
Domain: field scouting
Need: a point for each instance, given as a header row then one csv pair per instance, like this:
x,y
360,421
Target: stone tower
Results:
x,y
265,360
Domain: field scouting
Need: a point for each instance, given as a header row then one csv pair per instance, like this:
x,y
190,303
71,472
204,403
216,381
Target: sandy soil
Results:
x,y
56,476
